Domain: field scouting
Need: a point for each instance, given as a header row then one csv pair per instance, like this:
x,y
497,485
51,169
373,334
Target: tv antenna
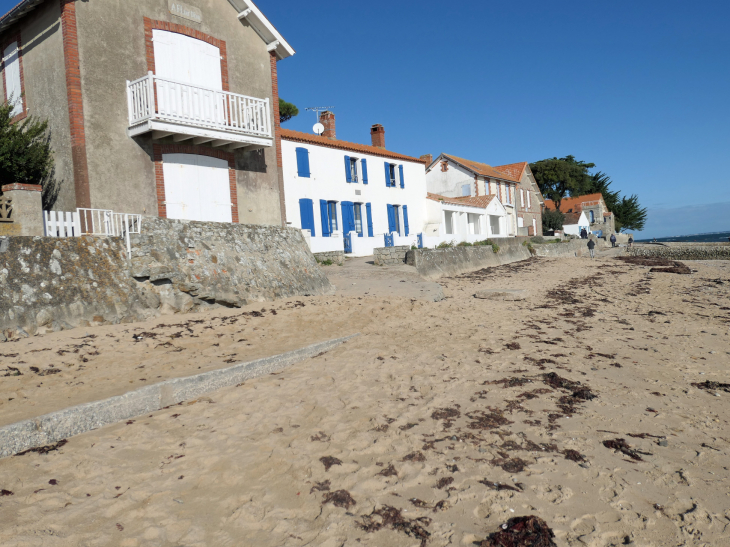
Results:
x,y
318,127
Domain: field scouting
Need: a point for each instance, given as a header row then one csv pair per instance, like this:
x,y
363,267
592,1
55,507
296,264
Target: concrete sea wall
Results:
x,y
176,266
681,251
435,263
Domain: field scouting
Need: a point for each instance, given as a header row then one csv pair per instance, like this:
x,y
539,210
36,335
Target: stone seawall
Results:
x,y
435,263
336,257
176,266
682,252
390,256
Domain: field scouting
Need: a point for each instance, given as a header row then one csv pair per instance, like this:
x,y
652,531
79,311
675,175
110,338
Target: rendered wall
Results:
x,y
112,50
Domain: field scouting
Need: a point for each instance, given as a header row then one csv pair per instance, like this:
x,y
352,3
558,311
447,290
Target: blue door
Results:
x,y
348,243
389,240
420,241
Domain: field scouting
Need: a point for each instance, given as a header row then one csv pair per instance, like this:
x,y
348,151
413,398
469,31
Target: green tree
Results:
x,y
552,220
629,214
25,154
558,178
287,111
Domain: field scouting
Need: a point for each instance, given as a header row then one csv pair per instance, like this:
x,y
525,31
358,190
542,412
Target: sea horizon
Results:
x,y
708,237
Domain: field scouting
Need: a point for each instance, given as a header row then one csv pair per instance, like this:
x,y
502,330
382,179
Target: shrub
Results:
x,y
489,242
537,239
464,244
327,262
445,245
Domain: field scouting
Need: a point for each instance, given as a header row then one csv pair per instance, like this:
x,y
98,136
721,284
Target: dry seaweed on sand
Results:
x,y
574,456
6,493
445,414
44,449
712,386
620,445
388,471
444,482
494,419
390,517
321,487
510,465
339,498
518,486
329,461
414,457
529,531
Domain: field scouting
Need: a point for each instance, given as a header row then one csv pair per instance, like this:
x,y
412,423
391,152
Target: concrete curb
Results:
x,y
66,423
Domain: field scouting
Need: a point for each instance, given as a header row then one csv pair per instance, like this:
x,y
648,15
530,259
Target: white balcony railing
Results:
x,y
153,98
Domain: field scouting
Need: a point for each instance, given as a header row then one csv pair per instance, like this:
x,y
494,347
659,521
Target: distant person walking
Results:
x,y
613,240
631,241
583,234
592,248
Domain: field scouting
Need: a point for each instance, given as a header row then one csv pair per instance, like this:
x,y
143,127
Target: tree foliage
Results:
x,y
560,178
287,111
25,154
552,220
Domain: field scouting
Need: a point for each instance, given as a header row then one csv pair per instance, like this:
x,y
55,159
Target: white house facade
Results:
x,y
575,222
455,177
469,219
348,196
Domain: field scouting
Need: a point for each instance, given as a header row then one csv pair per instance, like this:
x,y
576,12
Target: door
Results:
x,y
197,188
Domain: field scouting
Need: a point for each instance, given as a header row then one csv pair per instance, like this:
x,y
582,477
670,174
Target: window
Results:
x,y
303,162
466,190
13,85
494,224
396,210
392,174
522,198
332,206
529,201
593,216
353,169
475,224
358,218
449,218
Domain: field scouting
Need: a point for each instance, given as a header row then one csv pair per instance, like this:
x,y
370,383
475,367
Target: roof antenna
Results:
x,y
318,127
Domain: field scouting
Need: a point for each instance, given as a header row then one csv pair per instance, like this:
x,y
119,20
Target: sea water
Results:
x,y
714,237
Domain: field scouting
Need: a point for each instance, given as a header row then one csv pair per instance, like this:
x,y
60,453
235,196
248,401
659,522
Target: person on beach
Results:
x,y
631,241
583,234
613,240
592,247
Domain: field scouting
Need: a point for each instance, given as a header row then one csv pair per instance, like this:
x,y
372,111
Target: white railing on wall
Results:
x,y
155,98
95,222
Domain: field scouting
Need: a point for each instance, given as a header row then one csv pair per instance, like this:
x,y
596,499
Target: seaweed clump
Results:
x,y
529,531
390,517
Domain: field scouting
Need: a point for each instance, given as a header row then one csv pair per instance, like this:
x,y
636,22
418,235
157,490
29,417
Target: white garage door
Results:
x,y
197,188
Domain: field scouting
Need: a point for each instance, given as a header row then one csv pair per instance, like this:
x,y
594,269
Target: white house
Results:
x,y
349,196
575,222
467,219
454,177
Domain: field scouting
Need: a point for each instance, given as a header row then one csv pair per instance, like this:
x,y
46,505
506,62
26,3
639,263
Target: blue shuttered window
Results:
x,y
348,216
405,220
324,211
369,211
392,227
303,162
402,180
306,214
387,174
364,170
348,173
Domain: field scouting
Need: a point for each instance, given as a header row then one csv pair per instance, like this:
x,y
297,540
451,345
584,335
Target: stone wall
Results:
x,y
390,256
682,251
336,257
436,263
176,266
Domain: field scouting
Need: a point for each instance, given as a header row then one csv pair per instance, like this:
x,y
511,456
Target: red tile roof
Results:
x,y
483,169
514,170
298,136
575,204
572,218
479,201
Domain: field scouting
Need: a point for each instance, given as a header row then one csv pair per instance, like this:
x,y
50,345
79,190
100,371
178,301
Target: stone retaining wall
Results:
x,y
390,256
682,252
176,266
336,257
436,263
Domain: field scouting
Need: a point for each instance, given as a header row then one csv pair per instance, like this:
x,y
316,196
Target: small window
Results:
x,y
358,218
593,216
392,174
396,210
466,190
333,215
353,169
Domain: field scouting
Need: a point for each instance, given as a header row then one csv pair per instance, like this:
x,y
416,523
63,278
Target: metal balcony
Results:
x,y
165,107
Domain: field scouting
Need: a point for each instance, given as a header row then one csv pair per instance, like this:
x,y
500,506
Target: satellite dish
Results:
x,y
318,128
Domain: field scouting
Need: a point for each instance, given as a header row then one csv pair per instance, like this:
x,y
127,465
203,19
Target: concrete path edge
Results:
x,y
56,426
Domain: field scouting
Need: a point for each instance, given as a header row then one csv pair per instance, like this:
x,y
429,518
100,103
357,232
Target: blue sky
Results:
x,y
640,88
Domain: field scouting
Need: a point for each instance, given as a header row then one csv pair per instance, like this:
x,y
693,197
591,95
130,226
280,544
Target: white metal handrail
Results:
x,y
155,98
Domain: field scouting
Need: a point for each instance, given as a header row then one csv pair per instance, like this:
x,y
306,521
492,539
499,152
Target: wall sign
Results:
x,y
185,11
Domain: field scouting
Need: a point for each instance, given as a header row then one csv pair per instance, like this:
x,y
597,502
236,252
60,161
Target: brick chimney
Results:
x,y
377,133
327,119
428,158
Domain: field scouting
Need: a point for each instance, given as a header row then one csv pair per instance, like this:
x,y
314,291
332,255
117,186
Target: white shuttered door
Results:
x,y
197,188
12,78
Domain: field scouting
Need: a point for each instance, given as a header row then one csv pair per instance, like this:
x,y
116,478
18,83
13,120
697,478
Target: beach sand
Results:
x,y
437,424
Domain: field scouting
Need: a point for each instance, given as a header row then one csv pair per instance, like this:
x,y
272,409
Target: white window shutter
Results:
x,y
12,78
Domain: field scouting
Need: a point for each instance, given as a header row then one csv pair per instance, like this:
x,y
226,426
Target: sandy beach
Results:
x,y
584,402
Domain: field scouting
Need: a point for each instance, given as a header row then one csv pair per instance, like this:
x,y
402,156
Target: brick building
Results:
x,y
157,107
530,201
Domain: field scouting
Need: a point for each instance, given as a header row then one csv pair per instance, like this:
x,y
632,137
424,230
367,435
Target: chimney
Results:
x,y
428,158
327,119
377,133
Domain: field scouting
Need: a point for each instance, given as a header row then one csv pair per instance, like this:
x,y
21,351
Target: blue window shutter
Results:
x,y
348,216
348,174
387,174
402,180
391,219
306,212
405,219
303,162
364,171
324,210
369,211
